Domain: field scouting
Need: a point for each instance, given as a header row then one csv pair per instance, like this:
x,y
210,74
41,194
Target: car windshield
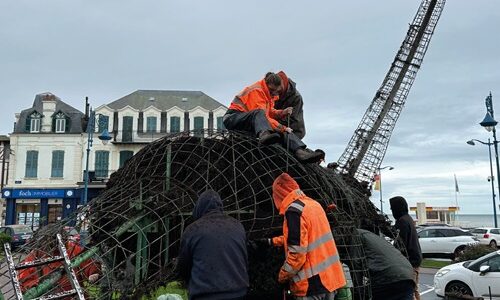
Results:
x,y
21,229
479,231
485,257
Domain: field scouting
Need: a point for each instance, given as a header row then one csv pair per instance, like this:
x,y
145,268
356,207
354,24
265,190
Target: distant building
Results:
x,y
433,214
144,116
45,162
49,142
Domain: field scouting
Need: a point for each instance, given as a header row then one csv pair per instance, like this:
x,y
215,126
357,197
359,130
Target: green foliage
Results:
x,y
434,264
171,288
5,238
474,252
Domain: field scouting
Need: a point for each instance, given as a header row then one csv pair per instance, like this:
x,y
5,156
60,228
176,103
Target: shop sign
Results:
x,y
34,193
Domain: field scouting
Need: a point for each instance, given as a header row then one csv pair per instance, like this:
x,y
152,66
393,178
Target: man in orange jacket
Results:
x,y
253,110
312,265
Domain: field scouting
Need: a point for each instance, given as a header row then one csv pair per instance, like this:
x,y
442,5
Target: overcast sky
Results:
x,y
338,52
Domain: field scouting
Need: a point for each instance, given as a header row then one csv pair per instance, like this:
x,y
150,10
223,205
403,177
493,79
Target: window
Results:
x,y
57,163
495,231
103,123
220,124
125,156
34,122
127,129
198,126
433,215
175,124
60,123
101,164
430,233
151,124
31,164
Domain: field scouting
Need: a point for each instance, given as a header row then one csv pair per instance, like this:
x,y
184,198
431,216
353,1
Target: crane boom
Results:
x,y
368,145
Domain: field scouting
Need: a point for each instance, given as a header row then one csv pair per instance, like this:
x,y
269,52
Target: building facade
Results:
x,y
144,116
48,147
45,163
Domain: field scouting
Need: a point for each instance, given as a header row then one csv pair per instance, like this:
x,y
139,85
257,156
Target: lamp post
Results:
x,y
379,169
489,124
104,137
492,178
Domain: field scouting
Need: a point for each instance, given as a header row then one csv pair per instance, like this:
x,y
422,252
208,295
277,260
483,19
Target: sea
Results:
x,y
471,220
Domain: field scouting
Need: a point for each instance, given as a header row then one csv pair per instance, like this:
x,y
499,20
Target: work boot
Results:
x,y
268,138
305,156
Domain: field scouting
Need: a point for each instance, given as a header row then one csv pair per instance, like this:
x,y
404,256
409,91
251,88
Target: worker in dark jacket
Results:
x,y
290,97
391,273
408,235
213,254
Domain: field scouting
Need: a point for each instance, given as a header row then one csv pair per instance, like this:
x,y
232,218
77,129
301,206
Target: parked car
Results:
x,y
443,241
473,278
20,234
487,236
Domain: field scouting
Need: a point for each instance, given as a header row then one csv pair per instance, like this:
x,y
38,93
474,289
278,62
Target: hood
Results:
x,y
208,201
282,186
284,83
399,207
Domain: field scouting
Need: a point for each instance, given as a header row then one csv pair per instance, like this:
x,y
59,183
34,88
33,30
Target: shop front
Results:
x,y
38,207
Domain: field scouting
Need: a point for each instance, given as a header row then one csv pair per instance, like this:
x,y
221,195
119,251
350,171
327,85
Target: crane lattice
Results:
x,y
368,145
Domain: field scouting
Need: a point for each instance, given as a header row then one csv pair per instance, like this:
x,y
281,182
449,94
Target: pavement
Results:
x,y
426,284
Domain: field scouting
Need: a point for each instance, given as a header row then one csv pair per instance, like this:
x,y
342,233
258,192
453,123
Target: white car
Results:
x,y
442,241
475,278
487,236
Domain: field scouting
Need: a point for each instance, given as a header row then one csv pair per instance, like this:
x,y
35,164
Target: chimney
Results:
x,y
48,109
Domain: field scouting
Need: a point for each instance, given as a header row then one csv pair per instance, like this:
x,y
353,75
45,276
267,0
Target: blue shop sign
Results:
x,y
36,193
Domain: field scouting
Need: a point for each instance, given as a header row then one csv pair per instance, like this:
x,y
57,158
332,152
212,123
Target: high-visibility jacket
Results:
x,y
312,262
257,96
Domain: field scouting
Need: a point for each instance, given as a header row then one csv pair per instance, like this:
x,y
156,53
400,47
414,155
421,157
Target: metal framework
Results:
x,y
135,225
368,145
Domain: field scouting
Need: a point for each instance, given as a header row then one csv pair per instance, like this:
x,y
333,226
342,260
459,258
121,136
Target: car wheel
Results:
x,y
457,288
493,244
458,251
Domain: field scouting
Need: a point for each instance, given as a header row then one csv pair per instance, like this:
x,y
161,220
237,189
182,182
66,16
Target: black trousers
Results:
x,y
254,122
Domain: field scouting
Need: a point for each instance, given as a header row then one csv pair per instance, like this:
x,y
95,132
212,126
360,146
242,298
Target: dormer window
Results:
x,y
35,121
60,123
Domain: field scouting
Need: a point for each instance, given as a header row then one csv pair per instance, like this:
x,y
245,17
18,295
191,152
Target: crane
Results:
x,y
367,147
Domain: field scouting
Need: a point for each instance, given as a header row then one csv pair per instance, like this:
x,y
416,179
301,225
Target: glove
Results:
x,y
289,130
261,244
287,111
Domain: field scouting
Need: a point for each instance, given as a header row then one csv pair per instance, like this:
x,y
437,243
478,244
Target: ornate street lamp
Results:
x,y
104,137
489,124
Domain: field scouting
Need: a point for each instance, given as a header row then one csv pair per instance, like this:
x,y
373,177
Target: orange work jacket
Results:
x,y
257,96
312,262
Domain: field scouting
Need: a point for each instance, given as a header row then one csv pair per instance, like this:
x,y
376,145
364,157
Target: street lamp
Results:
x,y
489,124
104,137
379,169
492,178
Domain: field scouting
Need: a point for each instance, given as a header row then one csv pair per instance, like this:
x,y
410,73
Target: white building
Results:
x,y
145,115
49,142
45,162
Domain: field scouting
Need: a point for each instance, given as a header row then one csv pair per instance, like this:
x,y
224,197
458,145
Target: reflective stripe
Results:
x,y
297,249
238,101
323,239
314,270
297,206
289,268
